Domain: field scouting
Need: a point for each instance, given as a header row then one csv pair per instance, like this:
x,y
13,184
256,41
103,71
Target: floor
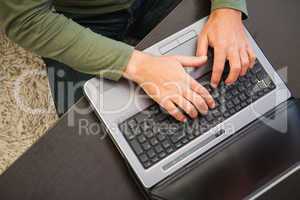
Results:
x,y
26,106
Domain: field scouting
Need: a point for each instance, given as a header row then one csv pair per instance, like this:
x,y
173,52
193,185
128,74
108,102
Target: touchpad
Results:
x,y
187,48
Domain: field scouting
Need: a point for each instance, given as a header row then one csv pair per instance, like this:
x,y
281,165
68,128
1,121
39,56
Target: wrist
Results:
x,y
134,66
221,12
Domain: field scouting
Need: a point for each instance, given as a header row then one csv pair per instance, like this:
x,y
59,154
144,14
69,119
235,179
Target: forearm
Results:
x,y
234,4
33,25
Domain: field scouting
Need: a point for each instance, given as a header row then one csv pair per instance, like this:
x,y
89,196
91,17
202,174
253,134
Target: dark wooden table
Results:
x,y
67,163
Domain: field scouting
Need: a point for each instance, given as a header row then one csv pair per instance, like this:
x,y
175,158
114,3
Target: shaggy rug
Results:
x,y
26,106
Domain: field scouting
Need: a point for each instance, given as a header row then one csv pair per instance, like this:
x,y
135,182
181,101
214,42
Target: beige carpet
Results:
x,y
26,106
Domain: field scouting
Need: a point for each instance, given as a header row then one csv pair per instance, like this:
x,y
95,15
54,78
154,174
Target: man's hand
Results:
x,y
224,31
165,80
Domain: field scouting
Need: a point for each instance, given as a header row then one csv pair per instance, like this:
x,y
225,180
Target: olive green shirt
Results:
x,y
35,25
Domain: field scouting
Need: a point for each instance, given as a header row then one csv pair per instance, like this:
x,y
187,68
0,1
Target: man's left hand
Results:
x,y
224,31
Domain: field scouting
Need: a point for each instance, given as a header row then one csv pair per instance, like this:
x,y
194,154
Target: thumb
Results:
x,y
191,61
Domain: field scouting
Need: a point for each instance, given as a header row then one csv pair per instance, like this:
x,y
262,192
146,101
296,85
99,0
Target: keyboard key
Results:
x,y
149,134
178,145
141,117
232,111
244,104
229,104
136,147
155,159
223,109
161,137
151,153
132,123
247,84
143,157
158,148
169,150
234,92
226,115
161,117
153,141
190,136
129,134
236,101
185,140
162,155
249,100
147,164
146,146
253,80
216,113
209,117
141,138
177,136
166,144
242,97
228,96
136,131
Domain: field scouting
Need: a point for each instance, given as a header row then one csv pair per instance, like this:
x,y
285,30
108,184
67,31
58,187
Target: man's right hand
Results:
x,y
164,79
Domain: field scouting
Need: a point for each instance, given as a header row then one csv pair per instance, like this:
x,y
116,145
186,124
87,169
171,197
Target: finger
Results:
x,y
197,101
191,61
185,105
171,108
218,66
202,45
202,91
245,63
252,56
235,66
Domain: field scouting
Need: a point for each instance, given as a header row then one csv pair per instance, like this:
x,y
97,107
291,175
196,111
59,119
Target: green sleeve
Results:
x,y
235,4
35,26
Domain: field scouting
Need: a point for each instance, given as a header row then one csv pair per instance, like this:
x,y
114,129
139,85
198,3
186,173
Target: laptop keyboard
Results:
x,y
153,134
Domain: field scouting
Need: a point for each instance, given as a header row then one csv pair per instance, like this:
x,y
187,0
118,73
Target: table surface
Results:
x,y
68,163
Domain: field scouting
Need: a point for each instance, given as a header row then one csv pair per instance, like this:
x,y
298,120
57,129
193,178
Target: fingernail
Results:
x,y
213,85
204,58
213,105
227,83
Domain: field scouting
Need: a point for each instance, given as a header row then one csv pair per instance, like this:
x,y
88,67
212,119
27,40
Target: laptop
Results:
x,y
154,144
